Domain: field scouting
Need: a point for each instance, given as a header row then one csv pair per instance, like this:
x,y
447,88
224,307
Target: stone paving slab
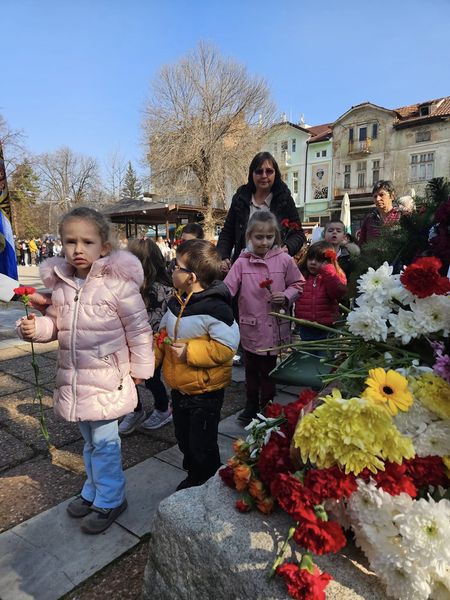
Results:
x,y
231,427
12,450
47,556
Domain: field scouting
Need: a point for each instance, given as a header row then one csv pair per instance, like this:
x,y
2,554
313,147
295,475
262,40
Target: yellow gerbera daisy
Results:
x,y
388,389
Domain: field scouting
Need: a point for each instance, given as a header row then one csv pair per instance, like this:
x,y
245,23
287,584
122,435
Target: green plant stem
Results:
x,y
279,557
38,392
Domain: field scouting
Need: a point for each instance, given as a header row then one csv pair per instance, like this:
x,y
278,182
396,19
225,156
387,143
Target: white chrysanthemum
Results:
x,y
404,580
401,294
414,422
337,509
440,586
370,325
432,314
425,529
372,505
377,285
434,440
403,325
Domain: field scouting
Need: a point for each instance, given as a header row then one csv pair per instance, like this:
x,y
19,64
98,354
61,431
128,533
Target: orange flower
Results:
x,y
242,474
239,446
331,254
233,462
266,506
256,489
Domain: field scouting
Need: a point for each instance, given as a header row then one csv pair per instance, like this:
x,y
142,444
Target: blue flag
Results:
x,y
8,262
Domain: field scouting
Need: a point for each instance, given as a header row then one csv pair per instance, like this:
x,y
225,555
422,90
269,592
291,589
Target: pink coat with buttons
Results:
x,y
103,334
258,329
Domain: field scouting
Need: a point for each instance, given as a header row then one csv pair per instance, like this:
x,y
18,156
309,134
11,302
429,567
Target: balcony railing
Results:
x,y
360,147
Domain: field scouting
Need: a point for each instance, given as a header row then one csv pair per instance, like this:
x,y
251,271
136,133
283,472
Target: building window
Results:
x,y
350,134
294,144
324,152
424,110
423,136
363,134
284,146
295,182
347,173
275,148
374,131
422,166
361,169
375,172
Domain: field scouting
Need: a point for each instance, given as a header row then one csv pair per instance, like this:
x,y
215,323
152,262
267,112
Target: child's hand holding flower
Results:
x,y
278,298
28,327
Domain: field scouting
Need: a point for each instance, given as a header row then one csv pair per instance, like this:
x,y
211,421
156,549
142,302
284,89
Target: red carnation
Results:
x,y
303,585
330,483
266,283
426,470
24,292
227,476
293,409
422,278
293,497
273,410
294,226
320,537
163,338
243,506
274,458
394,481
285,223
330,254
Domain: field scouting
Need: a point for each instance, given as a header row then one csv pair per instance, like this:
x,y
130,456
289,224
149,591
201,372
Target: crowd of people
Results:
x,y
143,316
34,250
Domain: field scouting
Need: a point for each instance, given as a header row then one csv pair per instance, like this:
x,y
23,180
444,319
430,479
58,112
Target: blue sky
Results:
x,y
77,73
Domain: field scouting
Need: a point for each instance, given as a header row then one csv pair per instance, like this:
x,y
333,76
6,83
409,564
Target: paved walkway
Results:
x,y
47,556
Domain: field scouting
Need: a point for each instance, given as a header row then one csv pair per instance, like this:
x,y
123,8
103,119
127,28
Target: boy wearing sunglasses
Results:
x,y
198,339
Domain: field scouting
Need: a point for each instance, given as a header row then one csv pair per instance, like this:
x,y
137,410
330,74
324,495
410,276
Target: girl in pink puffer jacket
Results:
x,y
105,348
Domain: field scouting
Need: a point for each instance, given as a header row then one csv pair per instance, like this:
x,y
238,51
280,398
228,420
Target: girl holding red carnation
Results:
x,y
325,285
267,279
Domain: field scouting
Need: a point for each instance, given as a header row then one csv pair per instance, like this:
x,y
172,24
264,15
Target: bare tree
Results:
x,y
68,178
115,171
203,124
13,143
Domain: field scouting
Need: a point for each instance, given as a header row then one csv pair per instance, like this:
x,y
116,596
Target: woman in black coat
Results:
x,y
265,190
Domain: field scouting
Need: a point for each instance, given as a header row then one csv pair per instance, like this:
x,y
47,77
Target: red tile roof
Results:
x,y
320,133
439,107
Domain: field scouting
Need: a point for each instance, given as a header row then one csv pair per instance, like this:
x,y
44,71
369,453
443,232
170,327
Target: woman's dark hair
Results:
x,y
153,264
257,161
384,184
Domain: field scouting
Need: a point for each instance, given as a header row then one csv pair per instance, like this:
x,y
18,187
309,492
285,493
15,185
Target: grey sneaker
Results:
x,y
156,420
79,507
101,518
130,422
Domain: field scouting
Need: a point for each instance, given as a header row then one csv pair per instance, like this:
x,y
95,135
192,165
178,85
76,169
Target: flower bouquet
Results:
x,y
370,455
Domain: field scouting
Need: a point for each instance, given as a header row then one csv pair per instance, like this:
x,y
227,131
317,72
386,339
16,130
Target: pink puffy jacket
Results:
x,y
258,329
103,334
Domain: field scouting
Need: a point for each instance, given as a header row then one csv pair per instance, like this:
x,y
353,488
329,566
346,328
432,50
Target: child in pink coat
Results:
x,y
105,348
267,280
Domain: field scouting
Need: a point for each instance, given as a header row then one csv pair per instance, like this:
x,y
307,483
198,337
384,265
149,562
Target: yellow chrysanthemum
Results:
x,y
388,389
354,434
434,393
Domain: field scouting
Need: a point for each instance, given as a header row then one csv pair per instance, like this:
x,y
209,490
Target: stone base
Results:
x,y
203,548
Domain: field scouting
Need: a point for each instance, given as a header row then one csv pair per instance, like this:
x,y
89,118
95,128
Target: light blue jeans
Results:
x,y
105,483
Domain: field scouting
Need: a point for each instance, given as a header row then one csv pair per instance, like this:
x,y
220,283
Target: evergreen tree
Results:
x,y
24,191
132,187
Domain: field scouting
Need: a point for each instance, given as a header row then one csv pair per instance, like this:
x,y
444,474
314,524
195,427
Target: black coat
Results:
x,y
233,231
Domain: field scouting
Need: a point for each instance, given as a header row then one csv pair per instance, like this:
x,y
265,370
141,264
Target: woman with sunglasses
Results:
x,y
264,190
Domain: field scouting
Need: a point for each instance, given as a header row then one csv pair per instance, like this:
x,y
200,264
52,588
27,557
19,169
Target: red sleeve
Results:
x,y
335,284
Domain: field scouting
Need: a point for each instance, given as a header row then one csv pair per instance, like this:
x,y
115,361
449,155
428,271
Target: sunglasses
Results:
x,y
264,171
182,269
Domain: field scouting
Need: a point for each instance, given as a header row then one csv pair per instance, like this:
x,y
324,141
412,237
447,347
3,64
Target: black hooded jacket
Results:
x,y
233,231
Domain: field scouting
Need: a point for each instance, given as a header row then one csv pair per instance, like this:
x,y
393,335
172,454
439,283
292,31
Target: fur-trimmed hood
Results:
x,y
121,265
